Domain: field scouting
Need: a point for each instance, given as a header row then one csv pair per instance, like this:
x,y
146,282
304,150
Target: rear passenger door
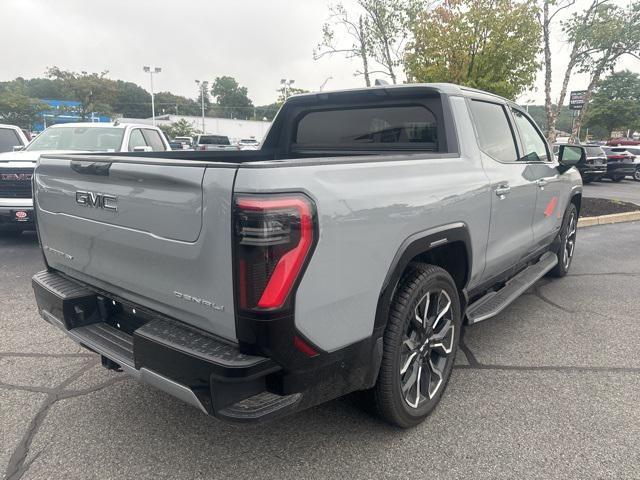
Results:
x,y
543,169
513,196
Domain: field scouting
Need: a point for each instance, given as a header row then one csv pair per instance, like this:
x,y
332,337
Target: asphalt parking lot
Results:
x,y
627,190
549,389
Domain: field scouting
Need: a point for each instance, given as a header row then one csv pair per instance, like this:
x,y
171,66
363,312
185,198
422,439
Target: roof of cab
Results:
x,y
100,124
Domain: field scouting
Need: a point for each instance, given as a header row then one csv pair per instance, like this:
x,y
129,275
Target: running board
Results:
x,y
494,302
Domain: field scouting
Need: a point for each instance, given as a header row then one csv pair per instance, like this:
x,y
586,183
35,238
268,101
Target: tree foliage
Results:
x,y
487,44
614,33
19,109
181,128
94,92
232,100
615,104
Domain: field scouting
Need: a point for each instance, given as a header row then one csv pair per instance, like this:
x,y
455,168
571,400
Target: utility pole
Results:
x,y
151,71
203,87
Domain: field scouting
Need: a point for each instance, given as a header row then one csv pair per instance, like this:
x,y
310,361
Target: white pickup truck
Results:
x,y
16,167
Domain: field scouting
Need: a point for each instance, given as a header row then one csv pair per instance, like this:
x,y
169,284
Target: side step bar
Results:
x,y
494,302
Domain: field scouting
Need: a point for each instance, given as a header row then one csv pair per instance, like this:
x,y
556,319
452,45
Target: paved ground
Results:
x,y
627,190
549,389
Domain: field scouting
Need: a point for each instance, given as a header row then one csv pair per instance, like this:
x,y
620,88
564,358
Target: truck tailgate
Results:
x,y
154,233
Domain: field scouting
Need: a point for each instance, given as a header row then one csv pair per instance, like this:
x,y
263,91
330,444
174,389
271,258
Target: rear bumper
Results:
x,y
619,168
203,371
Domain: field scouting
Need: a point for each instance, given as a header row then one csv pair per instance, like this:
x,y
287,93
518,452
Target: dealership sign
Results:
x,y
577,99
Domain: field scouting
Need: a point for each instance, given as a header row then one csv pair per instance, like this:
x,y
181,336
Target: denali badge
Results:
x,y
97,200
57,252
199,301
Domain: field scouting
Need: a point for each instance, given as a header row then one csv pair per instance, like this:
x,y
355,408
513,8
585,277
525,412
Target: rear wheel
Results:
x,y
617,178
636,174
566,242
420,344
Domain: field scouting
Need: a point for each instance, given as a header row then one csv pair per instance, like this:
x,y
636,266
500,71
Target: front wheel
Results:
x,y
420,344
636,174
566,242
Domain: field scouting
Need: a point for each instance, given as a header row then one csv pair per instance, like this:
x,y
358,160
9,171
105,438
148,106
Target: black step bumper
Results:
x,y
199,369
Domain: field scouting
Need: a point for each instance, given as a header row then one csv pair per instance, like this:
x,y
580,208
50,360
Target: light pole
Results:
x,y
203,87
151,71
286,85
325,82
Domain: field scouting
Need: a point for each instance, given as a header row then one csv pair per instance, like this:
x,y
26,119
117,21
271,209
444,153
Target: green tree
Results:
x,y
94,91
232,99
615,104
487,44
181,128
615,33
168,103
131,100
19,109
267,111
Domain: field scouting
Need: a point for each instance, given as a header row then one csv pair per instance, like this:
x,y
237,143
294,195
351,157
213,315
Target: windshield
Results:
x,y
91,139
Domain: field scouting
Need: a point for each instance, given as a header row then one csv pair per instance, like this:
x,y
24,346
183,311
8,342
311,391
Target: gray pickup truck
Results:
x,y
342,256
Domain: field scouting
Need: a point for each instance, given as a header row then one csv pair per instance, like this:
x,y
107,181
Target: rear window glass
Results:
x,y
594,151
214,140
369,126
8,140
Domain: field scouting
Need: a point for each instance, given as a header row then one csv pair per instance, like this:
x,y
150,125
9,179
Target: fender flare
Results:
x,y
416,244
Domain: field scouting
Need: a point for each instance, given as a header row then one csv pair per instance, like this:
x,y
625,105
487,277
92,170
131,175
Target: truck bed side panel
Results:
x,y
365,212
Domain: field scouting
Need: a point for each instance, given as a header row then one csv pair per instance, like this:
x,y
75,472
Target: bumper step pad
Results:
x,y
262,406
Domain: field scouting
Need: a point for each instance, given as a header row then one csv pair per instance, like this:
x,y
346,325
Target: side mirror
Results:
x,y
18,148
143,148
571,155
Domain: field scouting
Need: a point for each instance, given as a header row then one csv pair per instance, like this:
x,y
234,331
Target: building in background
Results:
x,y
64,111
234,129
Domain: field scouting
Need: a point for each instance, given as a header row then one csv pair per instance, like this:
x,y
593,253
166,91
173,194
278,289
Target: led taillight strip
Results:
x,y
290,264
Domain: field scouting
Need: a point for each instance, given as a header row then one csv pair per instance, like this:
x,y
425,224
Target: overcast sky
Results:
x,y
256,41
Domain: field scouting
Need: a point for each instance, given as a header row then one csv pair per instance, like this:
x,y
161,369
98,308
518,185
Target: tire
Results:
x,y
587,180
636,174
411,350
566,242
618,178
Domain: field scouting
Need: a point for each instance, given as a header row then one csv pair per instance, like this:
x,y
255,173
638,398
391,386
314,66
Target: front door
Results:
x,y
543,169
513,196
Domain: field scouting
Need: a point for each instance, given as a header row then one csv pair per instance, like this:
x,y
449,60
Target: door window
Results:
x,y
495,136
153,139
136,139
533,144
9,139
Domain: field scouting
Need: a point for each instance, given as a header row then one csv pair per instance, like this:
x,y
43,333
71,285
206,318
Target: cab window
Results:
x,y
533,144
136,140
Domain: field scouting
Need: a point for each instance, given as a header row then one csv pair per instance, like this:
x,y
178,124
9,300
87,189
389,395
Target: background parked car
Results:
x,y
11,137
213,142
186,142
636,152
595,166
16,167
620,163
249,144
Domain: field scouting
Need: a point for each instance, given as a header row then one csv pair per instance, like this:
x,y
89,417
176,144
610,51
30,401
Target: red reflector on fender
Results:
x,y
304,347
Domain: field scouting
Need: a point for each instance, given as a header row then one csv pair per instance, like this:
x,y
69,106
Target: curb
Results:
x,y
608,219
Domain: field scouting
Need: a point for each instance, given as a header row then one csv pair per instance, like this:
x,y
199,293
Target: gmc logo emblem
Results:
x,y
97,200
12,177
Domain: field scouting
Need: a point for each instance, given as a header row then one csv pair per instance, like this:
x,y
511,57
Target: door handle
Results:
x,y
542,183
503,190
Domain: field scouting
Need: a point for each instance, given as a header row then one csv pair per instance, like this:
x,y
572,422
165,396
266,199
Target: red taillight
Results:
x,y
273,238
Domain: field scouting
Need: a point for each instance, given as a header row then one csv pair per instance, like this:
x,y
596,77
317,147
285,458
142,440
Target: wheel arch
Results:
x,y
448,246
